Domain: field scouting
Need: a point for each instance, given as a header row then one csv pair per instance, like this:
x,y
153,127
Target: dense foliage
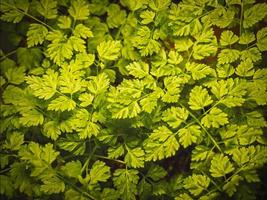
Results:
x,y
140,99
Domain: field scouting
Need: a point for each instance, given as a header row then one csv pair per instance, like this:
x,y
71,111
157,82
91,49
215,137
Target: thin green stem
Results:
x,y
241,18
107,158
29,15
204,129
8,54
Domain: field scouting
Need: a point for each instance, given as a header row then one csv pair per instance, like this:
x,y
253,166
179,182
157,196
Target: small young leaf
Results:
x,y
220,166
199,98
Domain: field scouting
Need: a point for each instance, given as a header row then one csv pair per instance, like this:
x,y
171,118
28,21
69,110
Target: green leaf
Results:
x,y
109,50
47,8
72,168
99,173
225,70
79,10
135,157
228,38
254,14
6,186
14,141
246,38
36,34
201,51
215,118
220,166
189,135
77,44
31,118
174,58
161,144
82,31
13,10
115,152
253,54
198,71
231,186
89,130
183,196
52,130
241,156
15,75
147,16
53,185
72,144
196,184
228,56
128,111
262,39
62,103
138,69
98,84
158,5
64,22
44,87
116,16
126,183
156,172
245,68
174,116
201,153
199,98
86,99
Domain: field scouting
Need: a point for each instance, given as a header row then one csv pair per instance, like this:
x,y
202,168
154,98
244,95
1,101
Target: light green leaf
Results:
x,y
198,71
201,51
161,144
183,196
196,184
109,50
158,5
125,180
228,38
44,87
254,14
189,135
89,130
86,99
52,185
199,98
116,16
115,152
72,168
79,10
174,116
135,157
82,31
59,51
14,141
52,130
62,103
245,68
262,39
77,44
246,38
253,54
228,56
174,58
15,75
215,118
98,84
128,111
47,8
220,166
31,118
36,34
183,44
99,173
147,16
138,69
64,22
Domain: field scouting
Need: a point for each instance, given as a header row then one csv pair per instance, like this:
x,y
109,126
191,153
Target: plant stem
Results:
x,y
205,130
8,54
241,18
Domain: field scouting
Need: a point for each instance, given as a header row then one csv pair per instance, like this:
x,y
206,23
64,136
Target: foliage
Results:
x,y
140,99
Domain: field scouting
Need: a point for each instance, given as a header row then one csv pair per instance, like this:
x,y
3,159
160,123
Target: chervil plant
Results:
x,y
140,99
